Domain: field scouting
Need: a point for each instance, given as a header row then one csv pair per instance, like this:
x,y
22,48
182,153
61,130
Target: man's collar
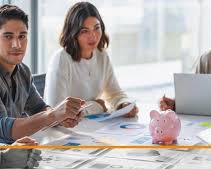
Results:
x,y
3,71
6,73
17,67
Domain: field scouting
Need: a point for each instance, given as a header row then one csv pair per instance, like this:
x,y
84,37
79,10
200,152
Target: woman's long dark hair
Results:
x,y
74,22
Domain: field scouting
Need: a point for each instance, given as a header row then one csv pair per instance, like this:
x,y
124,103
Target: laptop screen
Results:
x,y
193,93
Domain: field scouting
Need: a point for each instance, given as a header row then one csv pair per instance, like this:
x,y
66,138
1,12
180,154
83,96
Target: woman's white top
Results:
x,y
88,79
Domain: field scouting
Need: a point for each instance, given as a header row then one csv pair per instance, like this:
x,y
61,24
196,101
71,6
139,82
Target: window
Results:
x,y
150,39
25,6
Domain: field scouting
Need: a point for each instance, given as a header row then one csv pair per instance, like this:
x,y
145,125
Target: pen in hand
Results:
x,y
56,122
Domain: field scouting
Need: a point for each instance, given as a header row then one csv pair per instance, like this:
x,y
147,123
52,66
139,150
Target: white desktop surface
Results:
x,y
103,160
91,126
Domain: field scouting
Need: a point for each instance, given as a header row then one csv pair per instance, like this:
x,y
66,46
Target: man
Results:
x,y
20,158
18,94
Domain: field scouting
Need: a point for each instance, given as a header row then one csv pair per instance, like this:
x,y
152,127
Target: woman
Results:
x,y
203,67
82,67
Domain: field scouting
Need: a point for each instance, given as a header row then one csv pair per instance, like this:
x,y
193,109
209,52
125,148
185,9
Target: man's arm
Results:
x,y
29,125
68,109
14,128
6,124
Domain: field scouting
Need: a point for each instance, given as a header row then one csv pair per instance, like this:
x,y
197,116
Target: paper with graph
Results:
x,y
106,115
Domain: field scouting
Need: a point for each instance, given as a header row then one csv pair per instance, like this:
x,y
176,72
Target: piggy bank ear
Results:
x,y
154,114
171,114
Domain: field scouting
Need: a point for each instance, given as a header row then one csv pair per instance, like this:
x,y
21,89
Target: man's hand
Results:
x,y
70,123
132,113
167,103
21,158
68,109
27,141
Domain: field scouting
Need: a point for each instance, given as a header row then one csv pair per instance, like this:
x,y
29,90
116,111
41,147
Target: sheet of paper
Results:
x,y
124,128
48,135
81,151
151,155
88,126
188,133
108,163
106,116
77,139
143,139
205,135
115,139
202,161
51,134
62,160
205,124
124,133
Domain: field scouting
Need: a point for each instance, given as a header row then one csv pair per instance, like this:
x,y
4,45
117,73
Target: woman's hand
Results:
x,y
132,113
102,103
167,103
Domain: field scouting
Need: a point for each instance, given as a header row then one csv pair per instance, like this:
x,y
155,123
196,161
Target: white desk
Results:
x,y
98,158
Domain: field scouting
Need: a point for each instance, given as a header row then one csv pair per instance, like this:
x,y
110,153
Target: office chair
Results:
x,y
39,81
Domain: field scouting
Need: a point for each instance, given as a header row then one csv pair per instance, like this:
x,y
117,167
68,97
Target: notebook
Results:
x,y
193,93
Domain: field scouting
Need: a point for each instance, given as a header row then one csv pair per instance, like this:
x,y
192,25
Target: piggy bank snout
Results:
x,y
158,131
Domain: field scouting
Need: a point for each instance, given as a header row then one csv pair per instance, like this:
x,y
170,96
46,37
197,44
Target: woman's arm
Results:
x,y
113,93
56,83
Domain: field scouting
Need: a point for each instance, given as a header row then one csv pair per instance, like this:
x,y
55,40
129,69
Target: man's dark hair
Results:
x,y
73,24
9,12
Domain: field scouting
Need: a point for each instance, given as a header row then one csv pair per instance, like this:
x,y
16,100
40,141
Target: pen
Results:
x,y
26,115
56,122
164,96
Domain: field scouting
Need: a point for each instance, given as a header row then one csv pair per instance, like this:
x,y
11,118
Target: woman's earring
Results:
x,y
74,43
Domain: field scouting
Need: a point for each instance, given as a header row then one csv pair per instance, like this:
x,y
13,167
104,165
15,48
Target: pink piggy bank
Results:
x,y
164,127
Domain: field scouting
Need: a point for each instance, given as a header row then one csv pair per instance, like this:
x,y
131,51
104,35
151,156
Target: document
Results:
x,y
46,136
124,128
202,161
81,151
109,163
205,135
51,160
77,139
150,155
88,126
188,133
143,139
105,116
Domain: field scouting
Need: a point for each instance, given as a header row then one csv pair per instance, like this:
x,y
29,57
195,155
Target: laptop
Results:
x,y
193,94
